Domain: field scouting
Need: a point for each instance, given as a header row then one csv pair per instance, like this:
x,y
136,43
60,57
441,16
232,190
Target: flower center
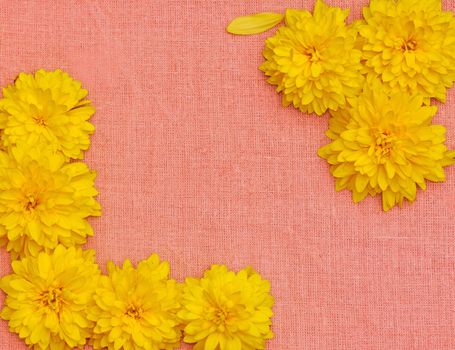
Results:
x,y
39,120
2,147
312,53
383,144
220,316
52,298
134,311
409,45
31,202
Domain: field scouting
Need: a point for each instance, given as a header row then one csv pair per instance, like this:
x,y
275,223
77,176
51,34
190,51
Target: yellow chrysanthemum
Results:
x,y
313,61
410,46
386,144
44,201
226,310
135,309
47,298
48,108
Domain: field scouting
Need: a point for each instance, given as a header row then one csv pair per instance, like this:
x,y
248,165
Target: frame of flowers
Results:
x,y
376,77
56,296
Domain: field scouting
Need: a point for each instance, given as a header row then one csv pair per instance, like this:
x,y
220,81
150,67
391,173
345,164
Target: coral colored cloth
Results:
x,y
198,161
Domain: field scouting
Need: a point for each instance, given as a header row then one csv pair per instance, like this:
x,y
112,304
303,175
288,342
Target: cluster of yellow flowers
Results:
x,y
45,199
56,297
376,77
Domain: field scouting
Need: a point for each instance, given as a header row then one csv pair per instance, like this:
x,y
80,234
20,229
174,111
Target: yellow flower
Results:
x,y
410,46
386,144
135,309
227,311
47,298
313,61
44,201
49,108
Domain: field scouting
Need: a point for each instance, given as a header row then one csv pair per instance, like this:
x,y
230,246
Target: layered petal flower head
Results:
x,y
410,46
312,59
44,201
386,145
226,310
136,308
47,297
49,108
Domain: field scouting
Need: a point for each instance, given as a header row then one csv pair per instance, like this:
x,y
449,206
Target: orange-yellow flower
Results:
x,y
44,201
47,108
313,60
386,145
226,310
47,298
136,308
410,46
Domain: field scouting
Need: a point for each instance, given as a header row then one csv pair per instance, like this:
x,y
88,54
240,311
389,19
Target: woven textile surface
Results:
x,y
198,161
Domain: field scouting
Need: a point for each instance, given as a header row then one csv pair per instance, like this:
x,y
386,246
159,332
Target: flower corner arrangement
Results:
x,y
57,298
377,78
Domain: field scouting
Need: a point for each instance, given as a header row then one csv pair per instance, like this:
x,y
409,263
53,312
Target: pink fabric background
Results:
x,y
198,161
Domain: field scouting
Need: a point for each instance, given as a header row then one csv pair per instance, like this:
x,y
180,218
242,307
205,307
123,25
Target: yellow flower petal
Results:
x,y
254,24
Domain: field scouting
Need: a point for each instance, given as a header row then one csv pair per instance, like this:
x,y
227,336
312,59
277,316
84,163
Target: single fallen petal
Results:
x,y
254,24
